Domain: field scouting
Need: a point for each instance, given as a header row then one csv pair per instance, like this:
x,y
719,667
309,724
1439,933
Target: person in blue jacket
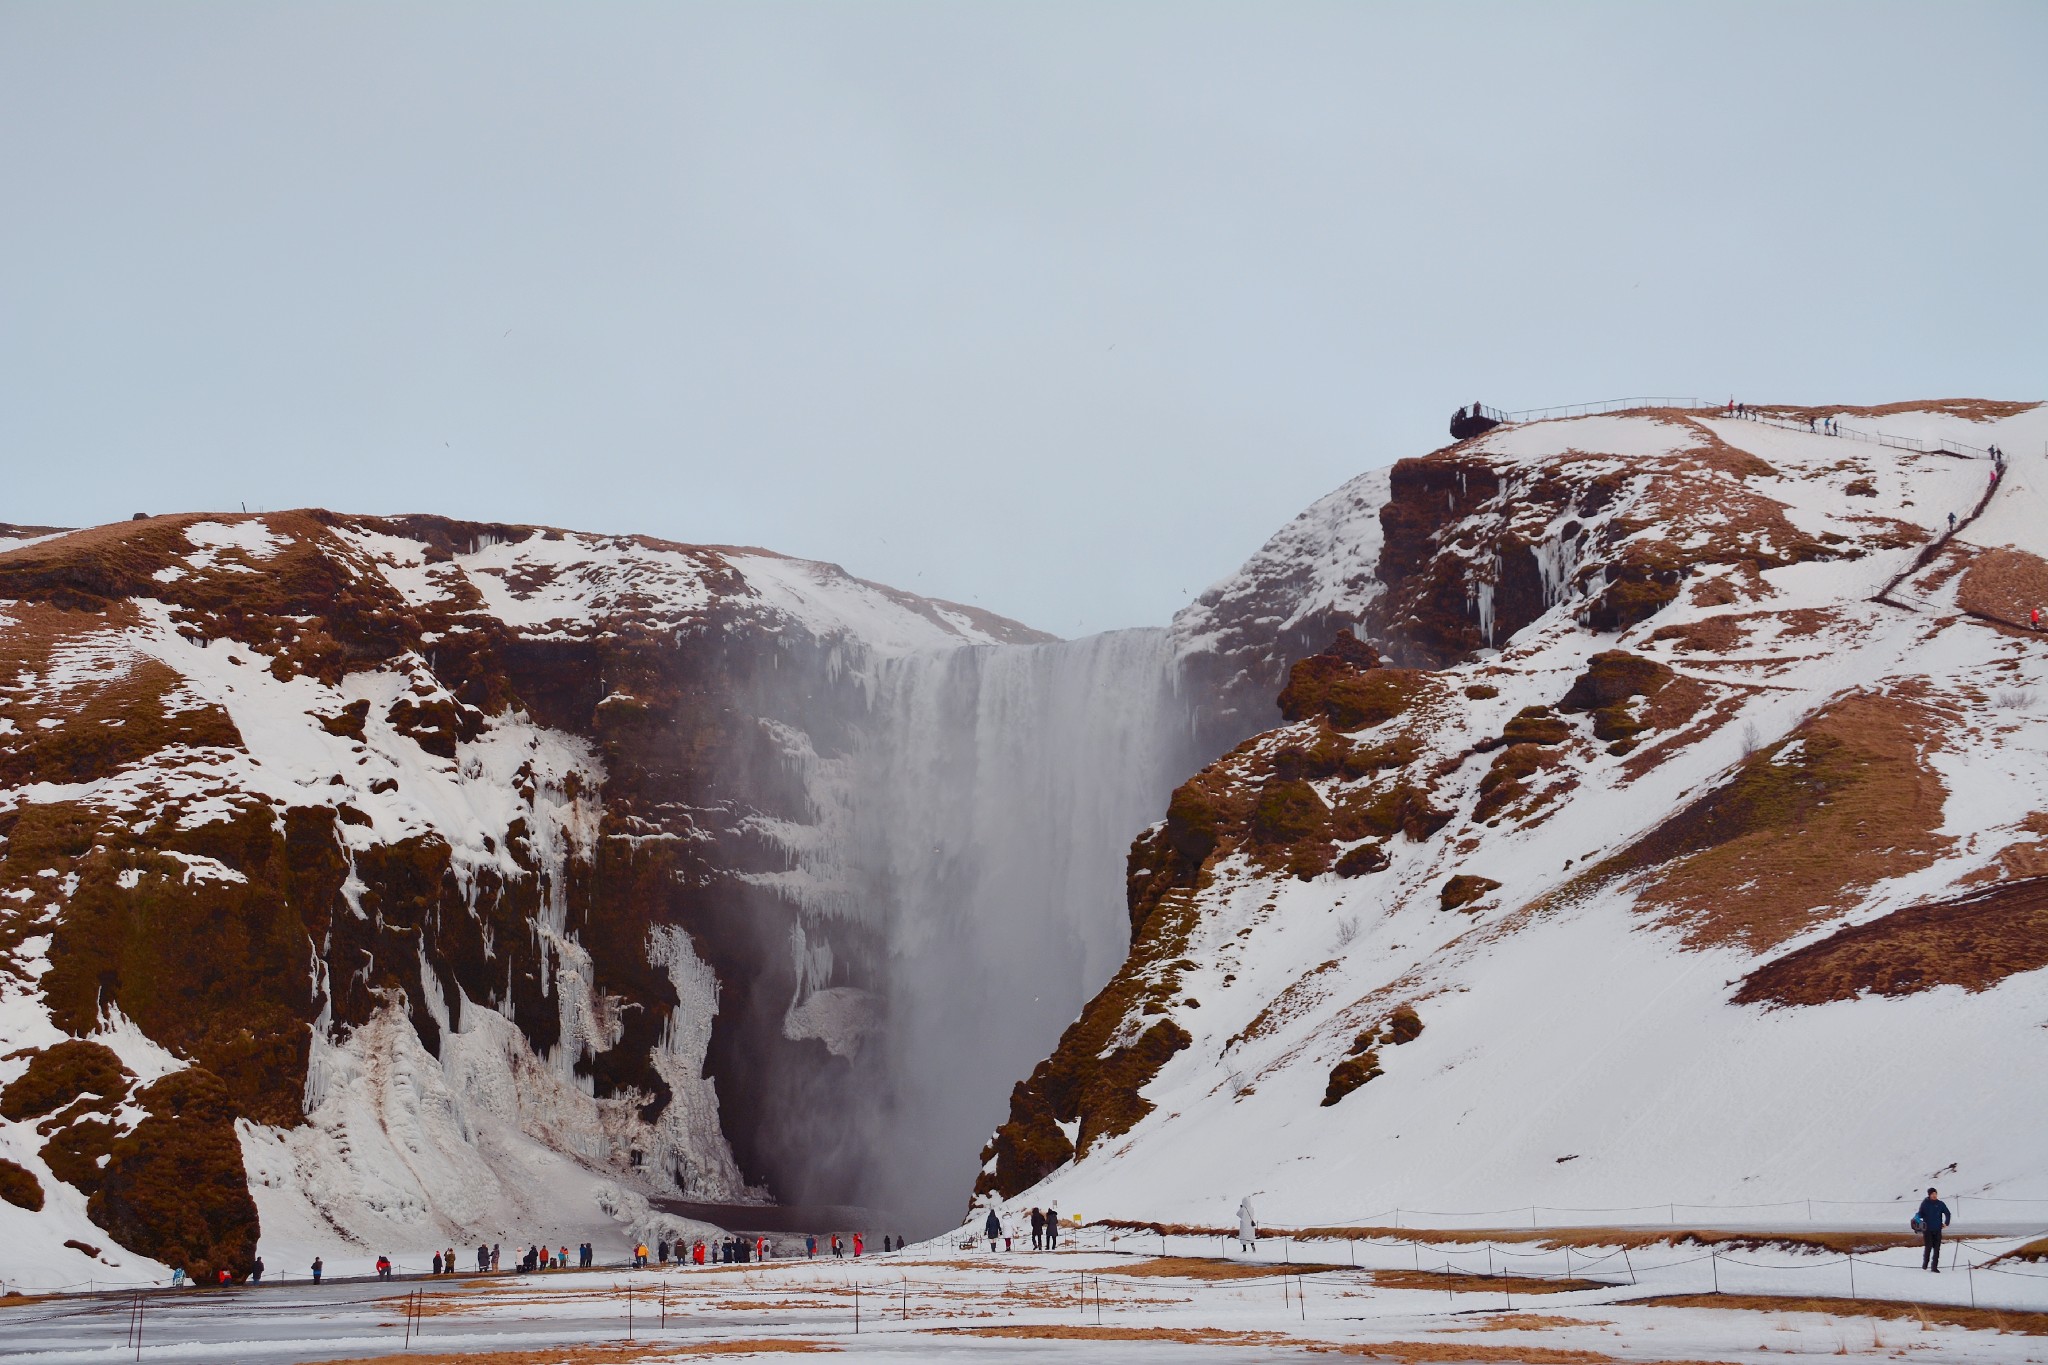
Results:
x,y
1928,1222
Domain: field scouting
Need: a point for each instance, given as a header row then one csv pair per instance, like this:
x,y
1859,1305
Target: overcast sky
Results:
x,y
1059,309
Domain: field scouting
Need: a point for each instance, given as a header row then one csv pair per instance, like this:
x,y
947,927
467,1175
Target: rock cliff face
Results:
x,y
1613,830
471,870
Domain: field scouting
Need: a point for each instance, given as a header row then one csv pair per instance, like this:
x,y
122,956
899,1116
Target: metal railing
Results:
x,y
1593,409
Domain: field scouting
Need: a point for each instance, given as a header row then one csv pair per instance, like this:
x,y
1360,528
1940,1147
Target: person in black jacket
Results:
x,y
1929,1221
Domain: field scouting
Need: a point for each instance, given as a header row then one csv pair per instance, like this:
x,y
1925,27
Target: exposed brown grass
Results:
x,y
1799,829
1973,941
1419,1352
1632,1238
2032,1251
1525,1322
2005,583
1452,1282
1970,409
1049,1331
613,1353
1210,1268
2025,858
1974,1319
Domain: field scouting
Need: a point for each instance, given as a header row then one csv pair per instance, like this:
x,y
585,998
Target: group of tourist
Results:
x,y
1045,1230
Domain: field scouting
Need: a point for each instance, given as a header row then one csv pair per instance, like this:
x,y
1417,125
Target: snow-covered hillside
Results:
x,y
442,876
1675,868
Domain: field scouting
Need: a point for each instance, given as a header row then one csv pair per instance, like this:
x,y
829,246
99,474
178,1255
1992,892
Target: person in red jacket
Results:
x,y
857,1245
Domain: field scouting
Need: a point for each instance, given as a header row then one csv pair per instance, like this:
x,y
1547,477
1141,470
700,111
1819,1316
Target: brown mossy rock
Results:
x,y
1464,890
77,1151
1507,779
348,722
215,970
174,1189
1611,681
1635,595
436,725
1110,1103
1287,811
61,1074
1199,815
1536,725
1362,861
1346,686
1350,1074
1400,807
19,1186
1031,1145
1404,1025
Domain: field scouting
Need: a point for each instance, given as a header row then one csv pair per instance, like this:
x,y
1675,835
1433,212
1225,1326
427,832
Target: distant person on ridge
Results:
x,y
1928,1222
993,1228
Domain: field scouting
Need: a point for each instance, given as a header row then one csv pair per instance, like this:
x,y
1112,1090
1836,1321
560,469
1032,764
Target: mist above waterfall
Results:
x,y
993,795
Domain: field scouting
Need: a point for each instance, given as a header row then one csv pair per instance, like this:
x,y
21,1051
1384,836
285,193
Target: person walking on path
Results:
x,y
1247,1226
256,1271
1037,1230
811,1246
993,1228
494,1255
1928,1222
1052,1229
317,1267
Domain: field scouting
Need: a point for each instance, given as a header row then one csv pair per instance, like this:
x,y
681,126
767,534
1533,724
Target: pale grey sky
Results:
x,y
1057,308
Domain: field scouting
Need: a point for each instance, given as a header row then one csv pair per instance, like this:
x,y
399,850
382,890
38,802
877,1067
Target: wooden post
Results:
x,y
1715,1257
856,1307
1301,1293
1098,1301
1507,1278
1852,1274
629,1314
1630,1264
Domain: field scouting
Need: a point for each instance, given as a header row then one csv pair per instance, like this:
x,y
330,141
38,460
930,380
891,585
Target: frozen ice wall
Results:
x,y
994,797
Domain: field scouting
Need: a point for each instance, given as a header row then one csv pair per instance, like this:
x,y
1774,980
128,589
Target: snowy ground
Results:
x,y
1111,1299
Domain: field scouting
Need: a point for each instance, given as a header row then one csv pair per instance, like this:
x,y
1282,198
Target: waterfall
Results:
x,y
995,793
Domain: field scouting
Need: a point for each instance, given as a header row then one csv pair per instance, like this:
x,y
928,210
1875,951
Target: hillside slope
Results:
x,y
1631,853
407,880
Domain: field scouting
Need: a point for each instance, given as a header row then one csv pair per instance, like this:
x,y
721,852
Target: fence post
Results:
x,y
856,1307
1971,1269
1715,1257
1507,1278
1852,1274
1630,1264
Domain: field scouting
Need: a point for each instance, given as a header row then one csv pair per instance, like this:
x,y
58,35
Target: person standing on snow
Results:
x,y
1037,1230
317,1267
1247,1226
1928,1222
1052,1229
993,1228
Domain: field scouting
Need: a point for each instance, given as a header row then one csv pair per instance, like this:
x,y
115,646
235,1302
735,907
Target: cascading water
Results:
x,y
994,795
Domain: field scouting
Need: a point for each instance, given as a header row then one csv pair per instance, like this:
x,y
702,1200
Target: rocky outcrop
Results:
x,y
1618,776
266,780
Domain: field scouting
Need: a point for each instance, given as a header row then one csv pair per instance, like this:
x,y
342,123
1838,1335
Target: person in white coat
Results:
x,y
1247,1226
